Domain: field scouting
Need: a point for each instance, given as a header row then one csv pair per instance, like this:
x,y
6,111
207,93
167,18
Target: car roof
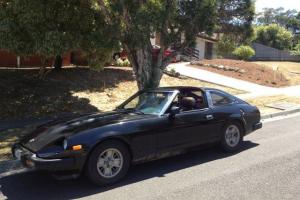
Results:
x,y
182,88
172,88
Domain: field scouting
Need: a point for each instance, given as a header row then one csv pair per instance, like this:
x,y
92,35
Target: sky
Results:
x,y
287,4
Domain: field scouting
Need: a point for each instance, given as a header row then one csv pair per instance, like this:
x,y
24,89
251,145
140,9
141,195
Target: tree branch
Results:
x,y
105,11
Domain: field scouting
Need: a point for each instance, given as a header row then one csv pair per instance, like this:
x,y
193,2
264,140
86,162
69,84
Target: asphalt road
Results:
x,y
268,167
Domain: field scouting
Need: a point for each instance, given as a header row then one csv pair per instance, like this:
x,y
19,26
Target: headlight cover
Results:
x,y
65,144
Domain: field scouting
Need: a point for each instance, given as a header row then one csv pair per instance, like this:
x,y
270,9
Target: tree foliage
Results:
x,y
235,18
286,18
296,50
274,36
52,27
175,22
226,45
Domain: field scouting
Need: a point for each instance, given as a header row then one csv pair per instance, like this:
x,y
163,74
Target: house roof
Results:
x,y
213,38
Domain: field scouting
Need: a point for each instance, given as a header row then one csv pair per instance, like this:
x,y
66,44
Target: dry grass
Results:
x,y
73,90
112,97
262,102
7,139
291,70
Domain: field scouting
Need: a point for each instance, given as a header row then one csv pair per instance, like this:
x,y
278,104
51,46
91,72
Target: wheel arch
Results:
x,y
237,117
113,138
240,122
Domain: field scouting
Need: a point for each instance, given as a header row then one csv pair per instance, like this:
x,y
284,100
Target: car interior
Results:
x,y
188,100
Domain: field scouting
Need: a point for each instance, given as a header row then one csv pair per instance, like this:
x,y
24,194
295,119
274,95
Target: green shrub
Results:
x,y
126,63
119,62
296,51
244,52
122,63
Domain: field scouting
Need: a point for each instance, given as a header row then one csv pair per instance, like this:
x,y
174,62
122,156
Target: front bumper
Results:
x,y
30,160
257,126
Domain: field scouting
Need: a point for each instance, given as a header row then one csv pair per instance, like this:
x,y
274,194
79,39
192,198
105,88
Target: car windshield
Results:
x,y
151,102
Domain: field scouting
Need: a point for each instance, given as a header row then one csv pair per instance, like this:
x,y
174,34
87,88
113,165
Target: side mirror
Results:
x,y
174,111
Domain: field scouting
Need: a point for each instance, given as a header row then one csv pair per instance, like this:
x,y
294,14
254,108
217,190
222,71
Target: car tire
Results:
x,y
232,137
101,164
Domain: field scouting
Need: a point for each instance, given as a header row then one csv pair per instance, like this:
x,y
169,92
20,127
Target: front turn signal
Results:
x,y
76,147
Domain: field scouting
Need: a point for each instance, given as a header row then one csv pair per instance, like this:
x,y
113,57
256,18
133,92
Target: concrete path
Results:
x,y
254,90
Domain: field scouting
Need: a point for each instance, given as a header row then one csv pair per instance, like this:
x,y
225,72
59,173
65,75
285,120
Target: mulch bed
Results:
x,y
254,73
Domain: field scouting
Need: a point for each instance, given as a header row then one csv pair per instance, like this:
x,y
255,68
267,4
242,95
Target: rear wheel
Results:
x,y
108,163
232,137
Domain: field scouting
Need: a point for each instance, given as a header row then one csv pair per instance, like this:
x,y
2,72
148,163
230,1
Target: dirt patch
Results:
x,y
291,70
252,72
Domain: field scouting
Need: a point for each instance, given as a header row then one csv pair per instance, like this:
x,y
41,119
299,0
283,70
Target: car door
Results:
x,y
187,129
222,108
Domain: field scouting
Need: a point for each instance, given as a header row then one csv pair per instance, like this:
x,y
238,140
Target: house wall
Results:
x,y
263,52
200,45
8,59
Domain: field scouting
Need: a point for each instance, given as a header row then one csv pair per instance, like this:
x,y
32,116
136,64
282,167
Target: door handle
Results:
x,y
209,117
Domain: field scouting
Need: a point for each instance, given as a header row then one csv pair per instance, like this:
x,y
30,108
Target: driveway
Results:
x,y
268,167
254,90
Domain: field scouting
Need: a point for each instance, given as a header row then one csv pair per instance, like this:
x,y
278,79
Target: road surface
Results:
x,y
268,167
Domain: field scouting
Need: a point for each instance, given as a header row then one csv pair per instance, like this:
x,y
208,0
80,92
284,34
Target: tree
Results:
x,y
50,28
175,22
280,16
274,36
226,45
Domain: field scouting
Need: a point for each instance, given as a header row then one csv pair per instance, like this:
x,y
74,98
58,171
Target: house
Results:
x,y
8,59
203,49
206,45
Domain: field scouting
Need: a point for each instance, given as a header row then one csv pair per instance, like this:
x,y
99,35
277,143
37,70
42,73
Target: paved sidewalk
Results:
x,y
254,90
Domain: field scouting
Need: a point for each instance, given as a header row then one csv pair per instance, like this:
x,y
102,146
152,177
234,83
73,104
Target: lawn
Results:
x,y
72,90
291,70
263,102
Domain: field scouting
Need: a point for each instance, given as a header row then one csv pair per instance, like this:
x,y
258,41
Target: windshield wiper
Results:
x,y
133,110
138,111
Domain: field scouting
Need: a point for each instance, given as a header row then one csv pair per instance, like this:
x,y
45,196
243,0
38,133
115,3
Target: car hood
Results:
x,y
54,132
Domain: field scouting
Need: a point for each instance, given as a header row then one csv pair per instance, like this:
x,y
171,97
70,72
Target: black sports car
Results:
x,y
150,125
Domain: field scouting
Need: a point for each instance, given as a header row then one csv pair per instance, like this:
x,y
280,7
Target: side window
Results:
x,y
190,100
219,99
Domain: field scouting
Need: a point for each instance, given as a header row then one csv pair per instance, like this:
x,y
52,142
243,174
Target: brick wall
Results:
x,y
10,60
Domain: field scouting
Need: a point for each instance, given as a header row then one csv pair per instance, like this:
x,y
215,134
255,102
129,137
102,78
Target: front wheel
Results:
x,y
232,137
108,163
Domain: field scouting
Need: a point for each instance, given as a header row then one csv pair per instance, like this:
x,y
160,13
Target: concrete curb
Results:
x,y
282,113
10,167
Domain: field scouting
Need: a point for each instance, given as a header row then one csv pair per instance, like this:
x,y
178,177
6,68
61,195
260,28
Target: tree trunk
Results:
x,y
147,72
58,62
